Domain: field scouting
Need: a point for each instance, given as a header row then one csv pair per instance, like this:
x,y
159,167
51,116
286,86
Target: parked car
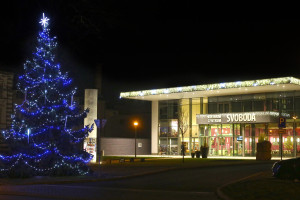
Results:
x,y
287,169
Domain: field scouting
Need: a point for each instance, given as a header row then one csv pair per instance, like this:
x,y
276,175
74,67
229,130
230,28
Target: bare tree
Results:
x,y
183,126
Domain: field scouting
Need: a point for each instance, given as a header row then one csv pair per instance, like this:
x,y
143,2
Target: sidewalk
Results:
x,y
210,157
101,173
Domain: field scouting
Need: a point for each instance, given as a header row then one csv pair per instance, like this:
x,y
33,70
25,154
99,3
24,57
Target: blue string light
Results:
x,y
51,115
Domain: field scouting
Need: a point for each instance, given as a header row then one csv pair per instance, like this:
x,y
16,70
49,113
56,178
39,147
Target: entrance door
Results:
x,y
249,140
220,140
225,140
213,140
226,146
238,140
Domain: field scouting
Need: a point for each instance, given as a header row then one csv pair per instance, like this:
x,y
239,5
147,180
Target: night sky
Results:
x,y
151,45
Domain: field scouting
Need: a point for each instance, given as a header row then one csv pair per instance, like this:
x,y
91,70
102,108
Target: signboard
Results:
x,y
90,146
239,138
281,131
244,117
282,122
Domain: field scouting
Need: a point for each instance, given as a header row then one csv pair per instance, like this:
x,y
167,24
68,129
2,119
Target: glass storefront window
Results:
x,y
274,139
213,146
195,144
168,146
236,106
168,128
173,146
259,106
185,142
163,131
249,140
238,140
298,146
247,106
260,131
213,142
195,131
287,145
297,124
226,140
163,146
168,109
297,106
288,140
212,107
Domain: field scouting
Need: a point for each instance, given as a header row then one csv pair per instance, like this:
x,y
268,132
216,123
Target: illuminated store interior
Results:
x,y
229,117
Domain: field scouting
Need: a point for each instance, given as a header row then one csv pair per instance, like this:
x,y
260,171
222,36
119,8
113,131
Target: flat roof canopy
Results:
x,y
217,89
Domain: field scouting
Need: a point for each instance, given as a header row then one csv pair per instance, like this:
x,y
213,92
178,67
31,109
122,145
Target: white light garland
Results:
x,y
216,86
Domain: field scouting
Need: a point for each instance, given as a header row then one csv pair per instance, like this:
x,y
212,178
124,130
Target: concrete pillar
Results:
x,y
90,101
190,123
154,128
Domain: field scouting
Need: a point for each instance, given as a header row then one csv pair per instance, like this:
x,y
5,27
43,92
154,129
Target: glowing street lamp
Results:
x,y
135,124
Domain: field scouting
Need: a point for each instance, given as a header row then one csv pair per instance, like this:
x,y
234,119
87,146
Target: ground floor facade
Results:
x,y
226,134
234,140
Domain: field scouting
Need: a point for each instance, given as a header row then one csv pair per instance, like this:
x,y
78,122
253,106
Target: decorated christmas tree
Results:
x,y
46,135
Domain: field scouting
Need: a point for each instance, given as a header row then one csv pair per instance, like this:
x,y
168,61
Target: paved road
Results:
x,y
178,184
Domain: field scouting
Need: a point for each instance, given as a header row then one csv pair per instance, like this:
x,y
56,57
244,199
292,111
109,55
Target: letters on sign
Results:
x,y
231,118
242,117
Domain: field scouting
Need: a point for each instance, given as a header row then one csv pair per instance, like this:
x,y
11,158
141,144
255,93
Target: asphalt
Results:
x,y
108,172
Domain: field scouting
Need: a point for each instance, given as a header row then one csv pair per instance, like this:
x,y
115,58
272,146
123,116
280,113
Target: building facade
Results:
x,y
125,146
229,117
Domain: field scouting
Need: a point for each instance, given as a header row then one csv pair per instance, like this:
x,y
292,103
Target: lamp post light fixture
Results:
x,y
135,123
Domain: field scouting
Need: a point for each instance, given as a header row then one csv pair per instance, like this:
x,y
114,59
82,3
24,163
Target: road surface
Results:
x,y
177,184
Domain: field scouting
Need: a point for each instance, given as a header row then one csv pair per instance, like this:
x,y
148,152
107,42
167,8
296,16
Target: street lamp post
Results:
x,y
135,126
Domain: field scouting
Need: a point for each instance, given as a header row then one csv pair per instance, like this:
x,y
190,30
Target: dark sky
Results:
x,y
151,45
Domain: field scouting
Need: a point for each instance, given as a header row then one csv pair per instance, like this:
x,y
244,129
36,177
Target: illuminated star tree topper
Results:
x,y
44,21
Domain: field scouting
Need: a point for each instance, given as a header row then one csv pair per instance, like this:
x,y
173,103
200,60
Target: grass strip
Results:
x,y
263,187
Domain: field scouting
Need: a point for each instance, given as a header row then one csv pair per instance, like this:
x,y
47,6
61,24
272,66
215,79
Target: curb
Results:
x,y
222,195
91,179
